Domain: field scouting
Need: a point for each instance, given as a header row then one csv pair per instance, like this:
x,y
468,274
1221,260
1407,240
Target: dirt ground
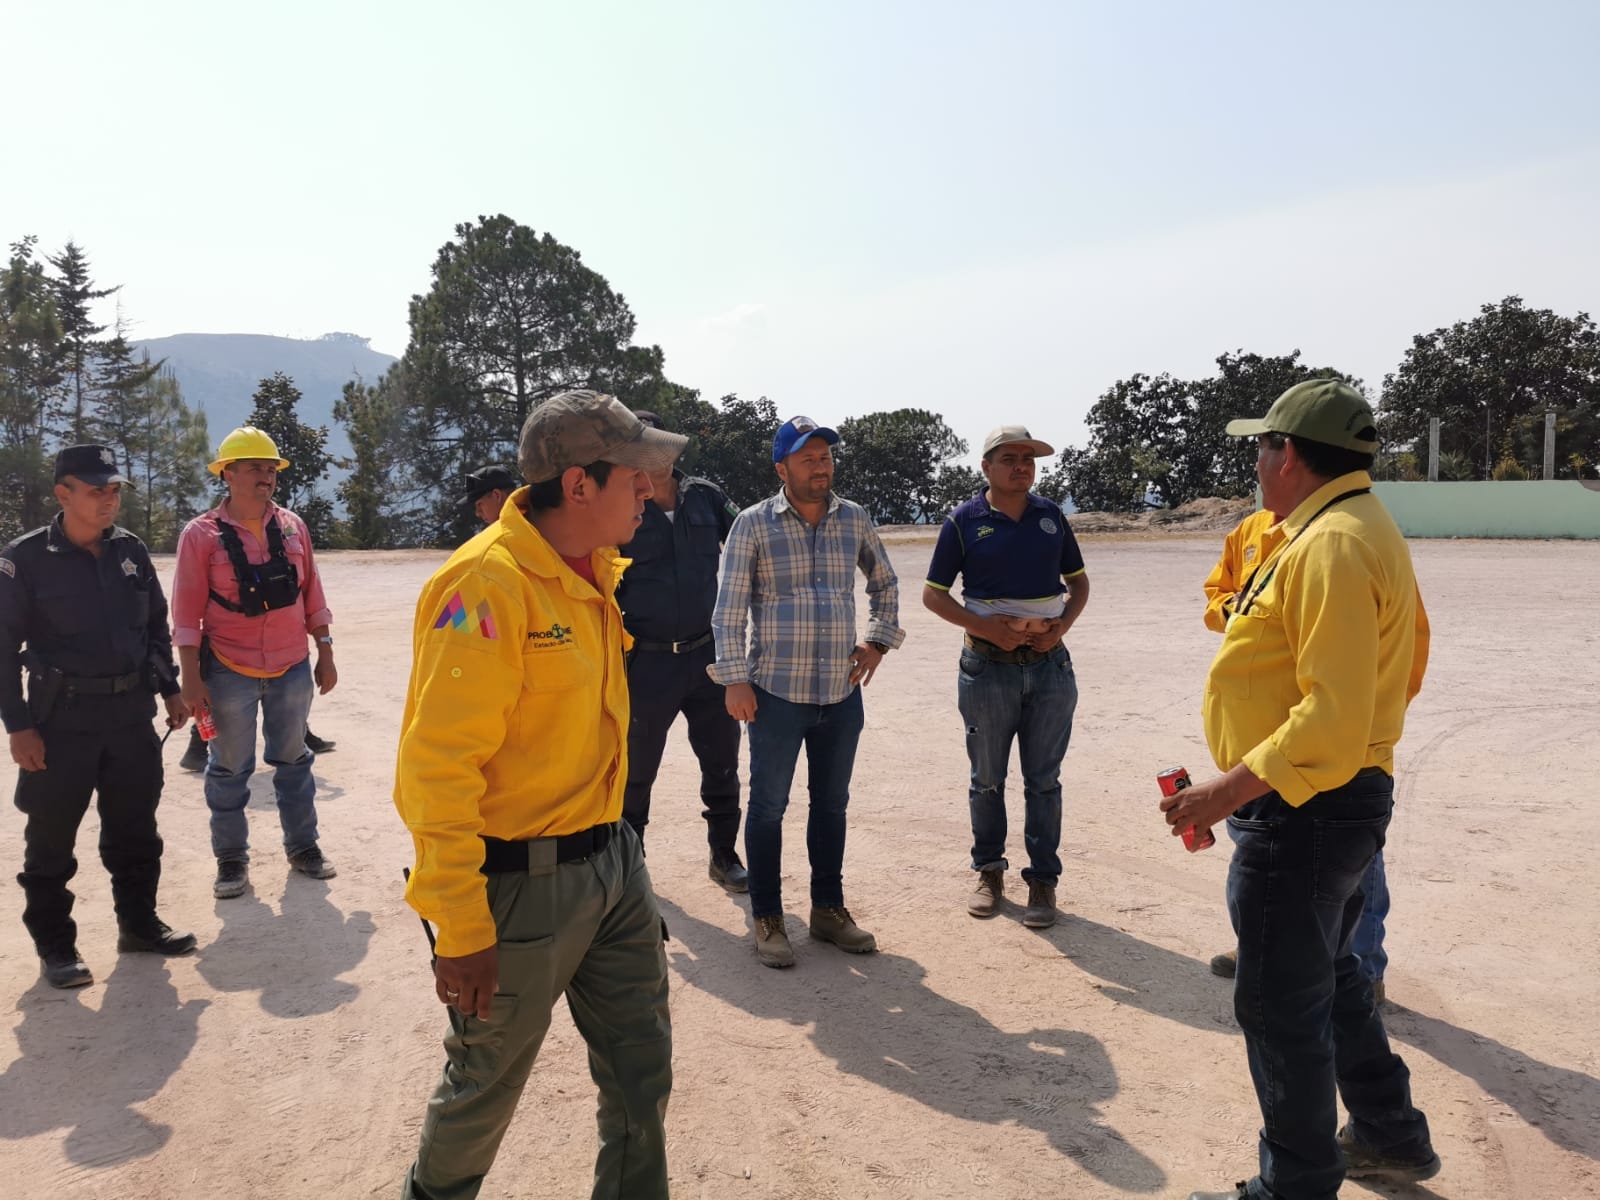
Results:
x,y
291,1056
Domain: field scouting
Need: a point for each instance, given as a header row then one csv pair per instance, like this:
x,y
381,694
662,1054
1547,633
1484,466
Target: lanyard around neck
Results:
x,y
1271,565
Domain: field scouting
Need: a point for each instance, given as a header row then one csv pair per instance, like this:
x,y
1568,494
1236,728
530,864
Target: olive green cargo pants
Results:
x,y
589,929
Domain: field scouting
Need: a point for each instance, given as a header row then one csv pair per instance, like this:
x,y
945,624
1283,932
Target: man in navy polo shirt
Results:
x,y
1022,587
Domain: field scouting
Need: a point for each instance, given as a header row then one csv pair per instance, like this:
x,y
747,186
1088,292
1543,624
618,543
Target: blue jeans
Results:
x,y
1368,942
1033,704
285,703
829,733
1311,1029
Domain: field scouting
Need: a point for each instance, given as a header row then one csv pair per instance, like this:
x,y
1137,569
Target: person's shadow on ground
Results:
x,y
876,1019
1144,975
293,957
84,1070
1563,1103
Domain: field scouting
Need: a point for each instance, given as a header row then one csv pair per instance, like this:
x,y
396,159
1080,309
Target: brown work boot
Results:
x,y
1225,964
1041,910
985,898
772,943
836,925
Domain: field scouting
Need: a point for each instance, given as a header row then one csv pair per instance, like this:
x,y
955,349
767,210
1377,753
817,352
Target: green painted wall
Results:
x,y
1563,508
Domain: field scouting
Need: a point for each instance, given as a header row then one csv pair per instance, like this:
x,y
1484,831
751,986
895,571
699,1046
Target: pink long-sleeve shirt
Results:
x,y
272,642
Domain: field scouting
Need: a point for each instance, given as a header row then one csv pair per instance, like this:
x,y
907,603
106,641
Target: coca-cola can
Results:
x,y
206,724
1172,781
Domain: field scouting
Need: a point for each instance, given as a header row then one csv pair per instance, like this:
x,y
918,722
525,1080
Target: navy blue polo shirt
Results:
x,y
1001,559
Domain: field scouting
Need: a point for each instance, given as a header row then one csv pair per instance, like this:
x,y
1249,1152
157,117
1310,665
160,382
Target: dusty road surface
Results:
x,y
290,1057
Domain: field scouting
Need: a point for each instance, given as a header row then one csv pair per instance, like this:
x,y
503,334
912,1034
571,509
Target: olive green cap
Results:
x,y
1329,411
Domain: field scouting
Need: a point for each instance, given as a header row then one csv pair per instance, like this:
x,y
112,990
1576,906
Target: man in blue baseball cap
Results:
x,y
789,563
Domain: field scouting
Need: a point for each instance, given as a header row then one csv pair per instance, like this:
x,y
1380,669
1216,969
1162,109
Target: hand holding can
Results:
x,y
1172,781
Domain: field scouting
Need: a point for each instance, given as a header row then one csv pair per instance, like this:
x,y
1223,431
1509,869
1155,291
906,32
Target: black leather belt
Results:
x,y
682,647
1022,656
100,685
501,857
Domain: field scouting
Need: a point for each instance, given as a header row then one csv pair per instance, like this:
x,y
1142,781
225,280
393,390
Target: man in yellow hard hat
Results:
x,y
246,597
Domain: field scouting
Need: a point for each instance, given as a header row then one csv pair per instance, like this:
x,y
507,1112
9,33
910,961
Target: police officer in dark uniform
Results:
x,y
666,597
487,489
83,597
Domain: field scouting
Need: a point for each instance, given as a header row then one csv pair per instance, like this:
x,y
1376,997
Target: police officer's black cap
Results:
x,y
95,465
488,479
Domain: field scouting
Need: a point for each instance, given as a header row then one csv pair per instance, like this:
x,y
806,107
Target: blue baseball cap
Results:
x,y
795,432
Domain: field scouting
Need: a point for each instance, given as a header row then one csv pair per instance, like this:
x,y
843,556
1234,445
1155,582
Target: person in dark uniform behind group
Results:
x,y
82,595
667,594
487,489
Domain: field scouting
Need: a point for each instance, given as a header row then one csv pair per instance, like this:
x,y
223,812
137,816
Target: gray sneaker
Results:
x,y
772,943
233,877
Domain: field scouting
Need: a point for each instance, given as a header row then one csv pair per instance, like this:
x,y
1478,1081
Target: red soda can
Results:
x,y
1172,781
207,726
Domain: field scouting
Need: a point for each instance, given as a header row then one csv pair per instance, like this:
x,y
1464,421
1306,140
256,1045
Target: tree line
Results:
x,y
513,317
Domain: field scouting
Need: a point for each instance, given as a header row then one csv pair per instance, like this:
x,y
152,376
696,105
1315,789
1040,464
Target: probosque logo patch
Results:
x,y
460,618
557,635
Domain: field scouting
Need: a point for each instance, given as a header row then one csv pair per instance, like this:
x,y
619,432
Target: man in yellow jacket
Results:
x,y
1249,544
513,758
1303,706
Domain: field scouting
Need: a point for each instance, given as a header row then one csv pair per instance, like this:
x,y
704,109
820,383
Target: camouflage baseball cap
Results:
x,y
577,428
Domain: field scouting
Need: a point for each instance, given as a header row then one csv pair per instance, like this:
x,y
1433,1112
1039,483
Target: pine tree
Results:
x,y
31,362
276,411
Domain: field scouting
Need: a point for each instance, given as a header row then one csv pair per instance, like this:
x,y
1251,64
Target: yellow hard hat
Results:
x,y
246,442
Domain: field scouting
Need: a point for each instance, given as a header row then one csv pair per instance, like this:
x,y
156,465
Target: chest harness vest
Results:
x,y
262,586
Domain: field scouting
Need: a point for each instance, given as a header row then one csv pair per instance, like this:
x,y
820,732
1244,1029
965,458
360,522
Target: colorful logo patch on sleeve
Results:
x,y
456,615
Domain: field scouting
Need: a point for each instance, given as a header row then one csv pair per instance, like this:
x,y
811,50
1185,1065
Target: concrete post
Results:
x,y
1550,445
1433,450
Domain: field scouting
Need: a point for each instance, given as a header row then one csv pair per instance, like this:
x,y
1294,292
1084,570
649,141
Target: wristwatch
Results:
x,y
326,639
879,647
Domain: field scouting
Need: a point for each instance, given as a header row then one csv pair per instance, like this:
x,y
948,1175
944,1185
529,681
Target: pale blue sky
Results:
x,y
991,211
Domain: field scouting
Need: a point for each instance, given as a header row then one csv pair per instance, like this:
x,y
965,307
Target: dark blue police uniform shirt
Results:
x,y
83,615
1001,559
668,592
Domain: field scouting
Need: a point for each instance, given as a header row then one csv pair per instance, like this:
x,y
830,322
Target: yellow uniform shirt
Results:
x,y
1326,645
516,719
1246,547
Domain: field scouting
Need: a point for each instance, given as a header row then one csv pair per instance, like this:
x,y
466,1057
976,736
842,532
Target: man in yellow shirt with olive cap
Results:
x,y
513,759
1303,706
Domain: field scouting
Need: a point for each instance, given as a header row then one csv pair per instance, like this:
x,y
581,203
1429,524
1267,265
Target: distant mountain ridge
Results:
x,y
219,372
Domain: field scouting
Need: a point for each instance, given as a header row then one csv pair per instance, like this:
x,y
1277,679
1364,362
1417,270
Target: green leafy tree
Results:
x,y
512,318
1162,439
1491,380
735,446
31,372
954,484
890,464
276,411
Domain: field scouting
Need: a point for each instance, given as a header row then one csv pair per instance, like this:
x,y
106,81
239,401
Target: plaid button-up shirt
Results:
x,y
798,583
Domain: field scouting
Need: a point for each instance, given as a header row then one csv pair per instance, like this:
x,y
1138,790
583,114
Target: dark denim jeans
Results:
x,y
829,733
1311,1029
1034,705
660,686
